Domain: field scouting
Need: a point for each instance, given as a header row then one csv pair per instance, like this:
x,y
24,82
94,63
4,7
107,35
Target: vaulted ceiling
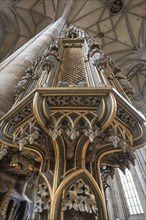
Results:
x,y
118,25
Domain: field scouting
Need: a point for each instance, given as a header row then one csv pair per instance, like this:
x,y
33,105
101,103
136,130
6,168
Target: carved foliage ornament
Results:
x,y
122,159
76,45
54,133
30,74
126,117
119,142
72,133
91,134
73,101
26,111
115,6
26,137
73,32
106,171
42,201
3,151
66,84
79,197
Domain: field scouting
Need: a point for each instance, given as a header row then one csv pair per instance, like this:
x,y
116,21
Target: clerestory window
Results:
x,y
130,192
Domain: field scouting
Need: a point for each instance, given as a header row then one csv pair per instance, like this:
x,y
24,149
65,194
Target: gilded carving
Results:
x,y
54,133
126,117
42,200
21,115
3,151
72,133
73,101
80,197
123,160
106,171
26,137
91,134
72,60
29,75
94,51
73,32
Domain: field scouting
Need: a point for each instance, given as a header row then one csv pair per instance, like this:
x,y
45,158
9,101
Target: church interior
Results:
x,y
73,109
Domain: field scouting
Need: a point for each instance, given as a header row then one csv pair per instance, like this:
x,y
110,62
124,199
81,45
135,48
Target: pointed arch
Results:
x,y
70,179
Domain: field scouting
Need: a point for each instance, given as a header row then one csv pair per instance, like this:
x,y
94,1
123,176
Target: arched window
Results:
x,y
130,192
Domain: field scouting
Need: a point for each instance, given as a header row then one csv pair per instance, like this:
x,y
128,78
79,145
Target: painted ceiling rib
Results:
x,y
132,13
115,52
91,25
94,32
88,13
99,31
110,38
143,88
44,8
53,5
73,19
127,45
24,23
113,27
39,22
128,5
140,67
139,3
141,36
102,20
34,24
55,14
108,43
130,32
16,24
13,46
144,70
35,3
131,60
24,9
138,83
116,23
122,58
42,15
101,14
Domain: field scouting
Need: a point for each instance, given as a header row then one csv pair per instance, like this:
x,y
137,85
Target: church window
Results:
x,y
130,192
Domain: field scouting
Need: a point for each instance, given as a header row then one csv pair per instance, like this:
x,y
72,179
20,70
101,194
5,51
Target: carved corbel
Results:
x,y
91,134
54,133
3,151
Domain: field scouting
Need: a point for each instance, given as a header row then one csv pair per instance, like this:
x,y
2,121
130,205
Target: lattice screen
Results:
x,y
72,68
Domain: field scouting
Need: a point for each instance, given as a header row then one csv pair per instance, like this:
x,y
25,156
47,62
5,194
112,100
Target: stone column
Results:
x,y
13,68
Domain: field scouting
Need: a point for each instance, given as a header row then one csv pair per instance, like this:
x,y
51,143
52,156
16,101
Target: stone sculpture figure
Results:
x,y
3,151
94,51
74,32
52,54
124,82
29,74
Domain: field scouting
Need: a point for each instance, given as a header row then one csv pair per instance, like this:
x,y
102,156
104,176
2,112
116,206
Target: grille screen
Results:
x,y
72,68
